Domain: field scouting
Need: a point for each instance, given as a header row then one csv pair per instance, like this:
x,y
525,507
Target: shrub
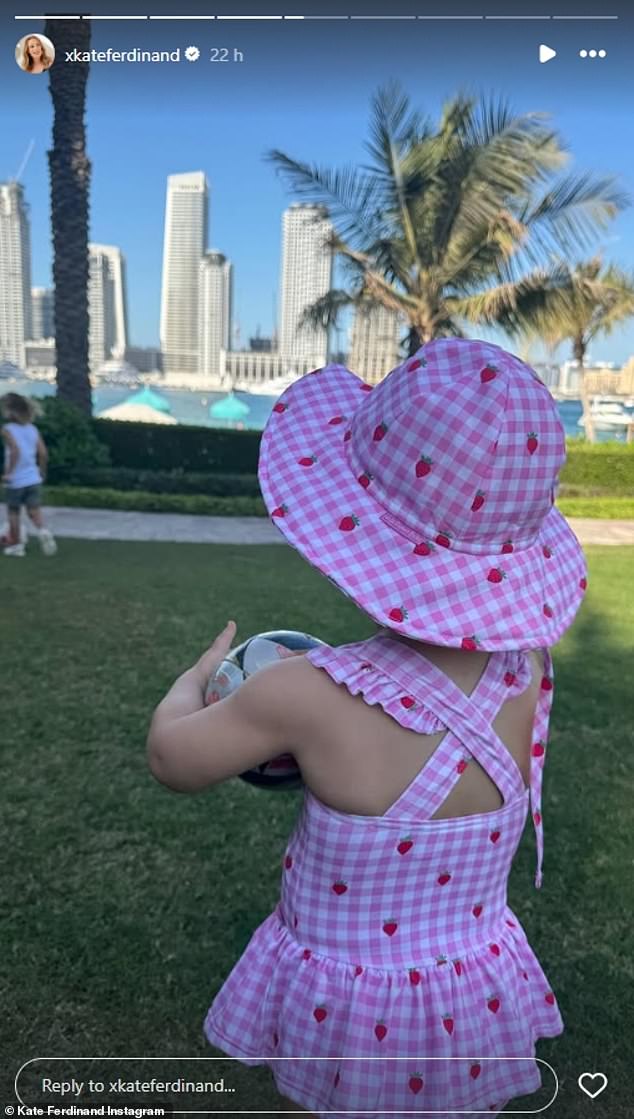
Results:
x,y
607,467
127,479
163,447
68,434
184,459
139,501
605,508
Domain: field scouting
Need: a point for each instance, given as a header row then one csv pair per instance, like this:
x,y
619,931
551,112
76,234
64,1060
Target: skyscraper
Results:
x,y
15,273
214,311
307,267
374,346
42,325
107,304
184,243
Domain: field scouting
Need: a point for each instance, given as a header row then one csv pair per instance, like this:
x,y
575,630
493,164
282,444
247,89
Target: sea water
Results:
x,y
188,407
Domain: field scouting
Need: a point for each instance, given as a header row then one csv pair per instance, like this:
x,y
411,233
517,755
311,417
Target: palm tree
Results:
x,y
572,304
443,213
70,183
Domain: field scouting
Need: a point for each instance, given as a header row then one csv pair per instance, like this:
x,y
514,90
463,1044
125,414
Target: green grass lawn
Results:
x,y
124,905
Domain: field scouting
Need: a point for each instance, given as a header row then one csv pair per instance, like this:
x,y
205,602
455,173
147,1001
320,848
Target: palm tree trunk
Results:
x,y
414,341
69,169
579,350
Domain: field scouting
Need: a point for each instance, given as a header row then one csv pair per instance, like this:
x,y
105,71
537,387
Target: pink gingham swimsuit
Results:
x,y
393,937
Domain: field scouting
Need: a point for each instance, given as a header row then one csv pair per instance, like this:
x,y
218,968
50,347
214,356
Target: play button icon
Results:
x,y
546,53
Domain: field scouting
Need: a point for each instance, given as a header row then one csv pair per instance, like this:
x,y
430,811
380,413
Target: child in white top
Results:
x,y
25,460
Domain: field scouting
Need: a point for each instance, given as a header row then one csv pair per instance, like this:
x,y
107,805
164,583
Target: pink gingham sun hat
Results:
x,y
428,499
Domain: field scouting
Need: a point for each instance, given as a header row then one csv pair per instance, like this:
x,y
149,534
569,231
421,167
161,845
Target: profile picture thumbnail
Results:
x,y
34,53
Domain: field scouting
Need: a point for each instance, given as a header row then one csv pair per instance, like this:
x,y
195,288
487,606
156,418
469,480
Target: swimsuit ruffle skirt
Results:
x,y
392,937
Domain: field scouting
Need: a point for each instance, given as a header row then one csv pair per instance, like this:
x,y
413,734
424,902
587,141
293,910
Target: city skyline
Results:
x,y
224,122
195,345
305,275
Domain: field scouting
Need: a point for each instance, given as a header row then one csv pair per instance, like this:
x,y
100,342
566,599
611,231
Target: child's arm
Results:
x,y
191,747
42,457
14,454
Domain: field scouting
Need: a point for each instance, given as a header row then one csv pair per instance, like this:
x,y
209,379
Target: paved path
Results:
x,y
114,524
111,524
602,532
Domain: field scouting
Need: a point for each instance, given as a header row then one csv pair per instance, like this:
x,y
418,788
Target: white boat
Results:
x,y
265,388
608,415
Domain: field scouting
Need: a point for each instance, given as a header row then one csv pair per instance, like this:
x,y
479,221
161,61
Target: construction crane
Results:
x,y
27,155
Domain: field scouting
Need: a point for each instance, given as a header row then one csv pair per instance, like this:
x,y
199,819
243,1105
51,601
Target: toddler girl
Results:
x,y
392,976
25,459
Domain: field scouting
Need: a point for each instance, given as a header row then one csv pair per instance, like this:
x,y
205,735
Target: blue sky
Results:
x,y
306,89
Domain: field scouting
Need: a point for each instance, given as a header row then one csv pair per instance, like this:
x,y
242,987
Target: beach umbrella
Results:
x,y
229,408
146,396
136,413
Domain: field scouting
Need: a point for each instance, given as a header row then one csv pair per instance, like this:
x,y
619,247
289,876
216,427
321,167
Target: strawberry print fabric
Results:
x,y
393,937
429,500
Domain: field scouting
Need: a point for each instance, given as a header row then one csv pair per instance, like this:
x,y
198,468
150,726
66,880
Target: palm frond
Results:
x,y
520,307
493,163
325,311
351,199
468,221
394,127
567,216
556,304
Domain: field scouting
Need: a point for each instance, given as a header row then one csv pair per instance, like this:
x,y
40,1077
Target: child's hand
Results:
x,y
216,653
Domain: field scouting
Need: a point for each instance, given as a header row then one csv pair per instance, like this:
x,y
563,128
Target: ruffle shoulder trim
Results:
x,y
351,665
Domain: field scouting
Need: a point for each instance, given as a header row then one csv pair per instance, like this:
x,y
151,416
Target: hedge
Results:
x,y
127,479
166,447
184,459
619,508
138,501
600,466
69,434
604,508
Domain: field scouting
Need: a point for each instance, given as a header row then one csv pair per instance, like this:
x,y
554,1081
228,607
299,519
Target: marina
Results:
x,y
194,407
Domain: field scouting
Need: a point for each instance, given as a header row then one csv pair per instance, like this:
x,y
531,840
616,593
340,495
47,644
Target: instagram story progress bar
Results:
x,y
308,16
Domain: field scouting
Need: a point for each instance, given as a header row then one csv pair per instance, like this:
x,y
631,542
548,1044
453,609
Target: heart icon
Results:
x,y
593,1078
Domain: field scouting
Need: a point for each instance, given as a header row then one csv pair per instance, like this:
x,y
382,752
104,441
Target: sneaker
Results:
x,y
14,550
47,542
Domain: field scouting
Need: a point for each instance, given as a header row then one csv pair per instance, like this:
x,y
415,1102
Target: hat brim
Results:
x,y
506,600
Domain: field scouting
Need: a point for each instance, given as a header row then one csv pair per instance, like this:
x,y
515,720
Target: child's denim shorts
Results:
x,y
16,496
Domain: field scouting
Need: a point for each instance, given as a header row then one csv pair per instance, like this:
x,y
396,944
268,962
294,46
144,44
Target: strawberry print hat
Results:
x,y
428,499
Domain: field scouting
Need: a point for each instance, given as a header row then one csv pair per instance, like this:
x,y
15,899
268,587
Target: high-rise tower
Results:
x,y
307,267
214,311
15,273
184,243
42,324
374,346
107,304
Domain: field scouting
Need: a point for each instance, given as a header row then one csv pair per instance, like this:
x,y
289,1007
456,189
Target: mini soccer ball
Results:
x,y
262,649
